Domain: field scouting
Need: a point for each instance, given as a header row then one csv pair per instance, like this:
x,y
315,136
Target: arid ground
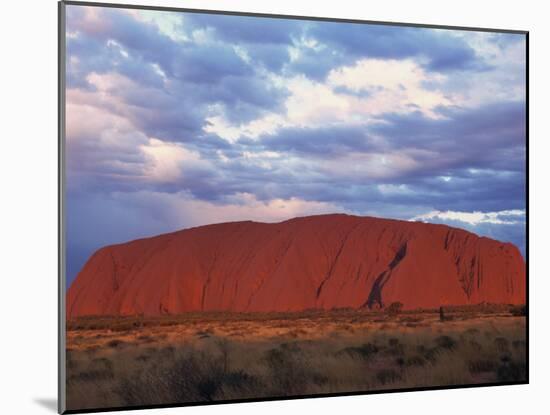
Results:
x,y
197,357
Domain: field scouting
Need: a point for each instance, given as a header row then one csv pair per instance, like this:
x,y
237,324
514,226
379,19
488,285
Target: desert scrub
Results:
x,y
395,308
116,343
188,376
128,369
365,351
445,342
520,310
482,365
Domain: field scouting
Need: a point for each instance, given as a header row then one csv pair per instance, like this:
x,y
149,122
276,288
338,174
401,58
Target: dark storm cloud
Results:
x,y
273,57
109,24
317,63
490,136
244,98
470,160
485,191
181,61
244,29
473,159
342,43
441,50
490,192
208,64
323,142
268,40
197,76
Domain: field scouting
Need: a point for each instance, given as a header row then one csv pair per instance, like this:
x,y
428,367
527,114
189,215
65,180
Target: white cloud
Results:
x,y
118,47
309,104
102,121
313,103
168,23
504,78
165,162
389,86
392,86
218,124
87,120
503,217
378,86
365,166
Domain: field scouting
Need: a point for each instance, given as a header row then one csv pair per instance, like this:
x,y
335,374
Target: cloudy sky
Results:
x,y
178,119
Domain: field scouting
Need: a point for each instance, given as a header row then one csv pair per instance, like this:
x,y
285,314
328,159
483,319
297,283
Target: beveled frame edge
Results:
x,y
61,239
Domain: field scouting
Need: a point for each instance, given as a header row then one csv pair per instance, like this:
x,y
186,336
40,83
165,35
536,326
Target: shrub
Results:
x,y
387,376
511,372
92,375
396,348
395,308
115,343
415,361
475,345
288,373
518,344
364,351
480,366
501,344
519,311
445,342
393,342
431,354
145,338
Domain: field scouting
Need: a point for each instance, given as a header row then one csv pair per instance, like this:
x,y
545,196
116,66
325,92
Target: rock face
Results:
x,y
322,261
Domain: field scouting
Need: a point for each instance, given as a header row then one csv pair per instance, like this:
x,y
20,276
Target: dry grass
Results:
x,y
207,357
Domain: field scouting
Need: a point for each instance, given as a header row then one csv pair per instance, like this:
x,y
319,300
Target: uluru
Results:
x,y
314,262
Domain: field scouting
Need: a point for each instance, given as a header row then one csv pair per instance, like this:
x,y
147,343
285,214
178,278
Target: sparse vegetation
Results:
x,y
395,308
196,358
445,342
520,310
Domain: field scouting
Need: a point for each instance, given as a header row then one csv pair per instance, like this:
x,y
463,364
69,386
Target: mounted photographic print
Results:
x,y
258,207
